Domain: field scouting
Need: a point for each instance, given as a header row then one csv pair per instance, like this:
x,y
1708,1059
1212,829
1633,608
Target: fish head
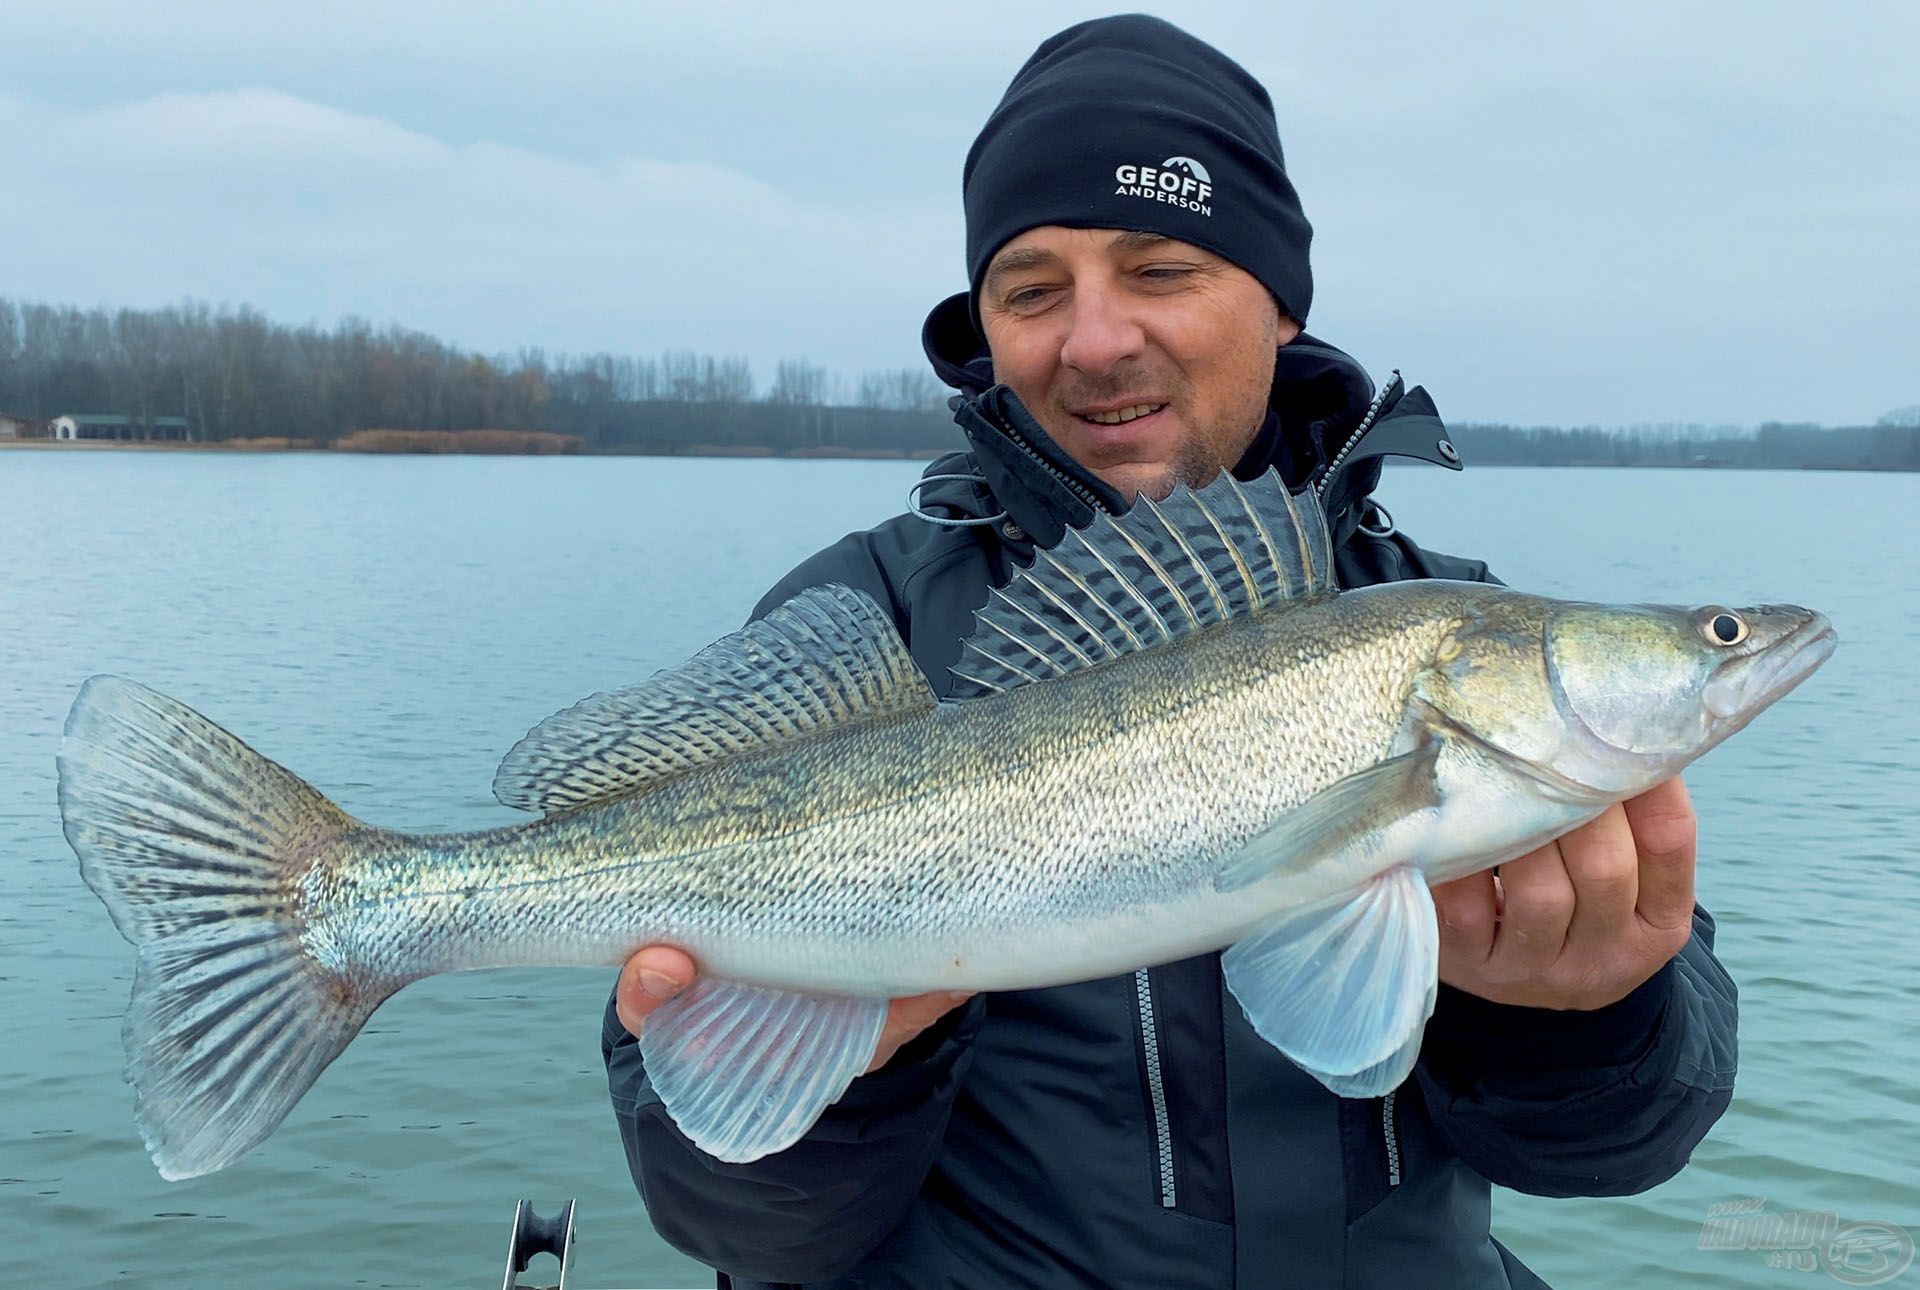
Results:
x,y
1667,683
1613,699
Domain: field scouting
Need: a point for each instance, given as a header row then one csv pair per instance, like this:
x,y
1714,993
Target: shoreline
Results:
x,y
255,448
244,447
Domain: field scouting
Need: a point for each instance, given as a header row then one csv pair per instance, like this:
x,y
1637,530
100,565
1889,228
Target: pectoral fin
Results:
x,y
1346,992
1338,815
745,1071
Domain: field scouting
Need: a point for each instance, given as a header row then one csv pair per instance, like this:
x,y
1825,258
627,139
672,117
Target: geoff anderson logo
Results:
x,y
1177,181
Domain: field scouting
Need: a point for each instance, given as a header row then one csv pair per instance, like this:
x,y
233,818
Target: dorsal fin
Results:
x,y
1162,570
828,657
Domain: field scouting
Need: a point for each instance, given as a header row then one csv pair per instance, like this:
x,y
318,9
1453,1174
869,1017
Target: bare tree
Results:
x,y
902,389
797,381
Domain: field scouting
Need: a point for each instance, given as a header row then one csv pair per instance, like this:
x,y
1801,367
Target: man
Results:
x,y
1139,276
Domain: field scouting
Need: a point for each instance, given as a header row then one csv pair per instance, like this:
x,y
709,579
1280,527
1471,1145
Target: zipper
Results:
x,y
1156,1090
1359,433
1073,485
1393,1138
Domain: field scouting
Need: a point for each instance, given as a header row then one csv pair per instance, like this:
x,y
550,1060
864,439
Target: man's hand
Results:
x,y
1583,920
656,973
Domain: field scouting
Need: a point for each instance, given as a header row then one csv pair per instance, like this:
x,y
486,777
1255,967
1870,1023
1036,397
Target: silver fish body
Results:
x,y
1282,770
1030,838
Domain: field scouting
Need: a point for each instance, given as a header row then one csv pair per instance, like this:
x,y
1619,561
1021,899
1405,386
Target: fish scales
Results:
x,y
1170,736
977,844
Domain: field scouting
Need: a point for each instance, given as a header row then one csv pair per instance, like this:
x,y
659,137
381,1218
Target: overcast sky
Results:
x,y
1614,213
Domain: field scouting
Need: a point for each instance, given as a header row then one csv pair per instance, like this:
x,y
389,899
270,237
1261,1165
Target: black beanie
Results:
x,y
1131,123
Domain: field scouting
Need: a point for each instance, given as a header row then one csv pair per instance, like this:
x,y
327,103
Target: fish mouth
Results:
x,y
1769,676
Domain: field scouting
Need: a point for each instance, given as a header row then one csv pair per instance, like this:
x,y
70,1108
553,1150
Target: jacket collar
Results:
x,y
1325,426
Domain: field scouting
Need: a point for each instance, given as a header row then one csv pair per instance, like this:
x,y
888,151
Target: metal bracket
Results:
x,y
534,1235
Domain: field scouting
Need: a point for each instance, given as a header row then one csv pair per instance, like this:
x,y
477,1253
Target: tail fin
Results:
x,y
197,844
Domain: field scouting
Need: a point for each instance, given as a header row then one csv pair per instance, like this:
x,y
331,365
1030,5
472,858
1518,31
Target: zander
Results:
x,y
1168,736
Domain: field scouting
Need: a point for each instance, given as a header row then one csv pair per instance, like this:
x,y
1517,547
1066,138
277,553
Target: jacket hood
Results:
x,y
1325,426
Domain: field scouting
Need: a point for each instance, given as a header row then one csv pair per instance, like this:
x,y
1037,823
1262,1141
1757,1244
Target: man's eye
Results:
x,y
1026,297
1165,272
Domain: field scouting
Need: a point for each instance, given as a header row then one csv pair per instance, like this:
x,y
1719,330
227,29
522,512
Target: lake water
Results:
x,y
388,627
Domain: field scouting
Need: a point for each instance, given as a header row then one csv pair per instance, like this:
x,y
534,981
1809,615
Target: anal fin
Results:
x,y
1346,992
745,1071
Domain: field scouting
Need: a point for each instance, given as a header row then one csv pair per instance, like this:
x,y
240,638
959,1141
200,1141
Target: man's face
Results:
x,y
1147,359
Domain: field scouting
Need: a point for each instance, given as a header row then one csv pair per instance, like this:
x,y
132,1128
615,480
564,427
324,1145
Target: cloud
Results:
x,y
304,209
1619,213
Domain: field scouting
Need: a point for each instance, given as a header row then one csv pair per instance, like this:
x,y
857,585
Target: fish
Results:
x,y
1170,734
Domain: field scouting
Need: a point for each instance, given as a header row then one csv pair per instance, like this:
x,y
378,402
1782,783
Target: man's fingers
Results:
x,y
650,977
1469,911
1665,833
1605,871
908,1017
915,1013
1539,902
653,975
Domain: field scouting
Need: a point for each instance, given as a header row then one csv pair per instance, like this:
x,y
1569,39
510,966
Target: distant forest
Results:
x,y
234,375
1891,444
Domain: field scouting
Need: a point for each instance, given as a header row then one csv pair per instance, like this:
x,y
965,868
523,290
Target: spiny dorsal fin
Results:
x,y
828,657
1162,570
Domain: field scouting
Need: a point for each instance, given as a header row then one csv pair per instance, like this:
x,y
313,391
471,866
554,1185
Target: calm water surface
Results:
x,y
388,627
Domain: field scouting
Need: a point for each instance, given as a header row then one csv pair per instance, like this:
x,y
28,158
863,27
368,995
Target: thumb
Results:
x,y
650,977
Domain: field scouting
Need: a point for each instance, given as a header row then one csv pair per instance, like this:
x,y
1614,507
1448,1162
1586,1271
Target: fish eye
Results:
x,y
1726,628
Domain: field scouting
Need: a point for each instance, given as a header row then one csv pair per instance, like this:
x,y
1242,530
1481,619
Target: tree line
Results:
x,y
233,374
1892,443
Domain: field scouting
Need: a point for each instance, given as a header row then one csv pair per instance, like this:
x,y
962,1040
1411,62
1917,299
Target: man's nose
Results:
x,y
1101,333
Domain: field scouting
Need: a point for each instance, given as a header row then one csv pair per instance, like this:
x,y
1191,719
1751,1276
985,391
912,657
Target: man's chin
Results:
x,y
1155,479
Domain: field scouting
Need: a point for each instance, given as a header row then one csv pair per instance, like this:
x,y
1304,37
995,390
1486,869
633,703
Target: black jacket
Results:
x,y
1134,1131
